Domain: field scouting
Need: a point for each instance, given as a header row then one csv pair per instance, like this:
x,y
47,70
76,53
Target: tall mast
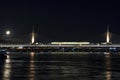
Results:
x,y
108,35
33,36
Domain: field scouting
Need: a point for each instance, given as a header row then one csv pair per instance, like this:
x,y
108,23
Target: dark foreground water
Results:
x,y
57,66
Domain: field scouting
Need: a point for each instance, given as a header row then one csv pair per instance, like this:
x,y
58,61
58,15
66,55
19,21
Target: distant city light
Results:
x,y
8,32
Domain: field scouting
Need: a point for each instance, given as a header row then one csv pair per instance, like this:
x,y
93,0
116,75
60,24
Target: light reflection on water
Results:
x,y
7,69
108,66
34,66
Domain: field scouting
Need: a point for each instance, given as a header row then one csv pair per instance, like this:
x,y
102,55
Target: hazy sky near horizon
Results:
x,y
60,20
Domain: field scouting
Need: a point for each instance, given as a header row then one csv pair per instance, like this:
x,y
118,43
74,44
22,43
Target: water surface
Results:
x,y
60,66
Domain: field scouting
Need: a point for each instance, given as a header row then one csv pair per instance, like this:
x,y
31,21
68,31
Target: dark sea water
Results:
x,y
60,66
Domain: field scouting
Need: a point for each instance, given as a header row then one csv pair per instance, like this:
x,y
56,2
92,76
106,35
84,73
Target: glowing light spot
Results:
x,y
8,32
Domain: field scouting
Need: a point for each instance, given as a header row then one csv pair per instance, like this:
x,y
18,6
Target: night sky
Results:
x,y
60,20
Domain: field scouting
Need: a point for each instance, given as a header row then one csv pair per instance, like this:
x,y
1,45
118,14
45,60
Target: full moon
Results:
x,y
8,32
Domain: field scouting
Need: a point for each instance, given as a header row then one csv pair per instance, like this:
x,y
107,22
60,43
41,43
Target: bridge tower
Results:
x,y
33,37
108,36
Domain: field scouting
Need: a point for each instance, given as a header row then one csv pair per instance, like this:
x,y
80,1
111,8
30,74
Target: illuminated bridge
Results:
x,y
63,46
51,45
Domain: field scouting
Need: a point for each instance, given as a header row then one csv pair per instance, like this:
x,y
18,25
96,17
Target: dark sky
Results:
x,y
61,20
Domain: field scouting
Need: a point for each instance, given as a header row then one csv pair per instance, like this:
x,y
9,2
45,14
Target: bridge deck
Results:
x,y
28,45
